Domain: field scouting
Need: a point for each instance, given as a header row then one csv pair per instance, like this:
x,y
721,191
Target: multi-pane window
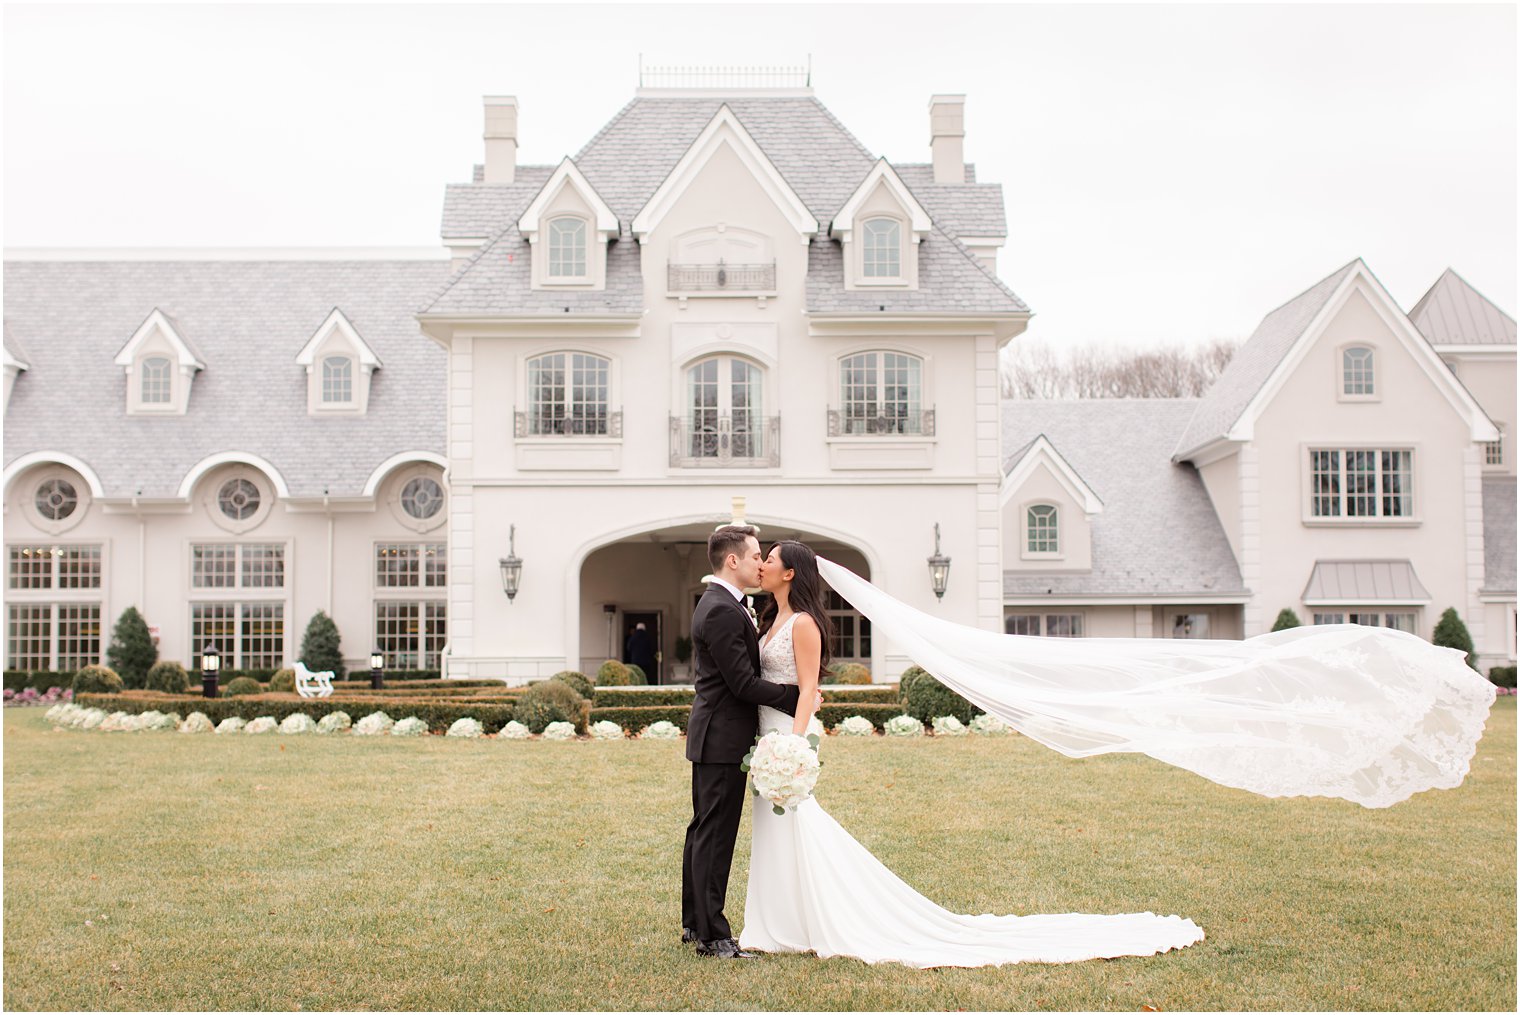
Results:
x,y
1190,625
156,381
852,632
1361,483
337,380
567,248
881,248
422,497
237,565
411,565
1041,522
724,397
1493,451
881,392
1050,625
568,393
54,567
1356,371
56,499
52,636
238,499
248,635
1399,620
411,635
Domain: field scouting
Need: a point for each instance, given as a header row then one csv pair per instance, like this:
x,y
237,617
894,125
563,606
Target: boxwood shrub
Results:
x,y
1504,676
18,680
438,715
577,682
96,679
926,699
168,676
635,719
551,701
617,697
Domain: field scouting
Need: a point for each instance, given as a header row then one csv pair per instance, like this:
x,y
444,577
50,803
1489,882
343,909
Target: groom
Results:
x,y
724,720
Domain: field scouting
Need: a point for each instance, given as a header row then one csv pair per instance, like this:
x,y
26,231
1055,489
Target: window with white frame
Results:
x,y
238,499
1049,625
881,248
724,399
411,565
422,497
1399,620
1493,451
567,248
249,635
52,636
36,567
157,381
1190,625
411,634
237,565
1361,483
567,394
1041,525
881,392
1356,371
852,631
337,380
56,499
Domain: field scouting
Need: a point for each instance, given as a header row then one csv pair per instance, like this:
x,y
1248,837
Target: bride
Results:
x,y
813,888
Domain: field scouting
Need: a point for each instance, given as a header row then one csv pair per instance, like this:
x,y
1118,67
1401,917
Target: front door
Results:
x,y
650,645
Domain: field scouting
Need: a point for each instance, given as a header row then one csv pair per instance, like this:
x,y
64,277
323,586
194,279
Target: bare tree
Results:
x,y
1034,370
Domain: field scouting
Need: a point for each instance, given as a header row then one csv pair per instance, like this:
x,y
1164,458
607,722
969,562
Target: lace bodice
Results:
x,y
778,662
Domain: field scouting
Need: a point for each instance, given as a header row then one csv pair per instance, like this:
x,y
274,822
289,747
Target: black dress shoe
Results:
x,y
724,948
688,935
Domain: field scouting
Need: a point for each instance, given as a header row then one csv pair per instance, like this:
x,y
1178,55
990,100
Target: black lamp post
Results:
x,y
939,567
511,567
376,670
211,664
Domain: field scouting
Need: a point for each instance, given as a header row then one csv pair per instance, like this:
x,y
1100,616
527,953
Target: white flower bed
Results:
x,y
196,722
662,730
117,722
514,730
263,724
296,723
559,731
466,727
411,726
855,726
334,722
606,729
949,726
373,725
988,725
231,724
52,714
903,726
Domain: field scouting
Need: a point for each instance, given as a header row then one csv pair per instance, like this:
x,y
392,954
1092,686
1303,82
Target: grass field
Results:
x,y
155,870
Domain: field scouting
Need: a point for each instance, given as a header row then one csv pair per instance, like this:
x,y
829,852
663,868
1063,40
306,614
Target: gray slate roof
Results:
x,y
485,209
1158,534
1499,534
632,155
1253,363
248,319
964,209
1452,312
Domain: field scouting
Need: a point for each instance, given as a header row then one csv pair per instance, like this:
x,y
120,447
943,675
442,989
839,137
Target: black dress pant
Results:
x,y
717,803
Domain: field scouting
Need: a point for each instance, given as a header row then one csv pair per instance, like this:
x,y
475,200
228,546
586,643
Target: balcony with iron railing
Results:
x,y
902,424
721,279
738,441
592,423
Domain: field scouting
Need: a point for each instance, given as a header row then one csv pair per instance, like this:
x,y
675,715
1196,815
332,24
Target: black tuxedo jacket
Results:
x,y
726,650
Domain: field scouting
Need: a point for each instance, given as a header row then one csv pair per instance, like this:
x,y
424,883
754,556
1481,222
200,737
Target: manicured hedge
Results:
x,y
635,719
620,697
438,715
1504,676
17,680
832,715
878,694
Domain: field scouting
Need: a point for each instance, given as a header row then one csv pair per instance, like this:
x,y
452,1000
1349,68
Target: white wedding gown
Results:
x,y
813,888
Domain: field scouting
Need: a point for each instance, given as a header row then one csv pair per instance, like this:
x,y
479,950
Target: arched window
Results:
x,y
881,393
881,248
567,394
156,381
337,380
567,248
238,499
1042,529
723,399
1356,371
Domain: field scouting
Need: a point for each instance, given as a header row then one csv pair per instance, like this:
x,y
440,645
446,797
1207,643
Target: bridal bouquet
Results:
x,y
783,768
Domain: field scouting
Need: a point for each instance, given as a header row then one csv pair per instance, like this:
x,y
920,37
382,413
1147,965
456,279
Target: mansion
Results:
x,y
496,460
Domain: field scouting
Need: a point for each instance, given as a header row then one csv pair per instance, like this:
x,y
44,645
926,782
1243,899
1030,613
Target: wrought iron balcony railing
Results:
x,y
589,424
913,424
741,440
740,278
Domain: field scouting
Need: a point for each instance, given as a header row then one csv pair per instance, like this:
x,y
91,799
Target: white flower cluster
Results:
x,y
334,722
903,726
606,729
662,730
559,731
196,722
855,726
465,727
297,722
514,730
411,726
373,725
784,769
231,724
263,724
949,726
989,725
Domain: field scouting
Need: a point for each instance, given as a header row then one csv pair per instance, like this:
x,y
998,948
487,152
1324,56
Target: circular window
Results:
x,y
421,498
238,499
56,499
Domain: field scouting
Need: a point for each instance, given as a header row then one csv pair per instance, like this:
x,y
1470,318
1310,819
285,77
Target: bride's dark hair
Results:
x,y
805,596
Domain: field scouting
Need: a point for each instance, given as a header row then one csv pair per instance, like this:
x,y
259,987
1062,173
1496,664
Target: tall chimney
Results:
x,y
947,131
501,138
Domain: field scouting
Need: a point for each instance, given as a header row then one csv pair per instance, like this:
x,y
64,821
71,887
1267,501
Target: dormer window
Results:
x,y
157,381
160,364
338,365
1042,530
881,248
567,248
1357,380
337,380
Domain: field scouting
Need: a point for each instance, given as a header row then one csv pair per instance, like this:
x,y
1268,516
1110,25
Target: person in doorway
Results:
x,y
639,650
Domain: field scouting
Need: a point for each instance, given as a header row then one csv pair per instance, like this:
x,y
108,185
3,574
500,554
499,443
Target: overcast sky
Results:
x,y
1171,173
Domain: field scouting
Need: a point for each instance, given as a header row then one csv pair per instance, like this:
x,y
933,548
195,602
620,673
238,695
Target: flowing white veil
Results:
x,y
1368,714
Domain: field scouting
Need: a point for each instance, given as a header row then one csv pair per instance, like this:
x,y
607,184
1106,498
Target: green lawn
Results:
x,y
342,872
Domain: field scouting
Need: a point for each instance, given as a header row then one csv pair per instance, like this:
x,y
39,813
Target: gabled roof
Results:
x,y
1041,451
566,175
1452,312
247,317
481,210
1498,535
1229,408
881,174
1158,535
162,323
337,321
